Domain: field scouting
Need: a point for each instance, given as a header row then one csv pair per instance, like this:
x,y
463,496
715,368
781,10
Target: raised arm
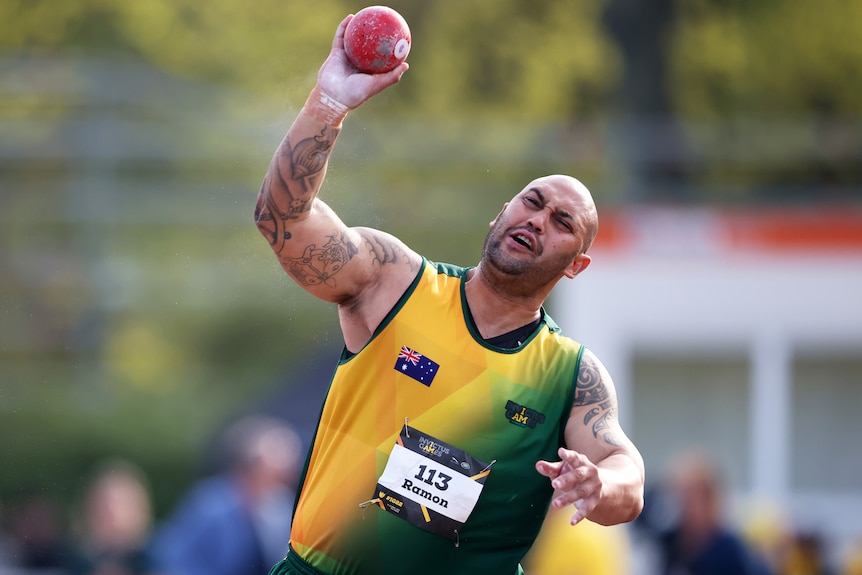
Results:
x,y
600,471
348,266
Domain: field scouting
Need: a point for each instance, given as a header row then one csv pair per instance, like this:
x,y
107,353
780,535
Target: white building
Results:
x,y
739,334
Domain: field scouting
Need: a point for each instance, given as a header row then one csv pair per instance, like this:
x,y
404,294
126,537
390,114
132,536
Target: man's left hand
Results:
x,y
575,480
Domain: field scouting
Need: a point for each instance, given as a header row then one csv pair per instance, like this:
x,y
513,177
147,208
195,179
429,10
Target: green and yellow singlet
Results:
x,y
430,428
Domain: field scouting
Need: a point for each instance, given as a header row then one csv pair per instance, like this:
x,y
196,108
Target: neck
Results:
x,y
486,296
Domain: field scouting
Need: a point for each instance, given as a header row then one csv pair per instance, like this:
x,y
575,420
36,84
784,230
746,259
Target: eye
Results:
x,y
532,201
565,224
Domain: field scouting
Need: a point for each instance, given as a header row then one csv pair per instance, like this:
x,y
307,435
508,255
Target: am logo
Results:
x,y
523,416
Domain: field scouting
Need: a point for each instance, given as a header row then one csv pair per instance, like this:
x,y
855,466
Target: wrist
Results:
x,y
325,108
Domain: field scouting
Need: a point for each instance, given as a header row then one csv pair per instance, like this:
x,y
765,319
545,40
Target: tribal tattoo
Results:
x,y
591,390
309,157
383,249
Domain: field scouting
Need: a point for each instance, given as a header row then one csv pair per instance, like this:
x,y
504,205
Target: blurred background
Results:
x,y
142,317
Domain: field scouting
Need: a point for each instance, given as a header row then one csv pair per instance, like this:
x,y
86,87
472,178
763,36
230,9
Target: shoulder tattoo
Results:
x,y
592,391
384,249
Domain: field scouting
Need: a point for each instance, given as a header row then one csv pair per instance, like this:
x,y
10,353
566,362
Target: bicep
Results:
x,y
321,254
338,264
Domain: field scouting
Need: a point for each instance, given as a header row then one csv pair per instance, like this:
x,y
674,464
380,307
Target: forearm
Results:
x,y
622,492
298,168
287,196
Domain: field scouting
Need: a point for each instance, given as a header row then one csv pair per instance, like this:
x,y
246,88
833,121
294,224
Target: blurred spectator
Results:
x,y
768,530
805,556
6,546
38,534
701,542
236,522
585,549
853,561
116,518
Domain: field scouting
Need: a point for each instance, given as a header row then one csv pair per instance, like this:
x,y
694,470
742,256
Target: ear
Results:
x,y
494,221
578,265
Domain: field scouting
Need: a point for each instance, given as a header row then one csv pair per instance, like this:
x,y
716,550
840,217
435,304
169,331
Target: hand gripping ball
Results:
x,y
377,40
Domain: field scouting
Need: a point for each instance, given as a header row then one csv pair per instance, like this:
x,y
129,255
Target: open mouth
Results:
x,y
524,240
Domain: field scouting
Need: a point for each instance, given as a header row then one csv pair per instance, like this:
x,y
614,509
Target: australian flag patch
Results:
x,y
413,364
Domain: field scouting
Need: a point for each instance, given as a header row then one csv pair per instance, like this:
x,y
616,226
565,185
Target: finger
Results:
x,y
571,457
338,40
399,70
565,498
580,482
392,77
570,477
548,469
583,506
580,514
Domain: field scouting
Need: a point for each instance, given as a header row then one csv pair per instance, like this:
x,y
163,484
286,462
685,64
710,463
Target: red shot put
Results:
x,y
377,40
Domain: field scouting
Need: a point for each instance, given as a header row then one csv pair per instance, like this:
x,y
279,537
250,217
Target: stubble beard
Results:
x,y
526,273
494,255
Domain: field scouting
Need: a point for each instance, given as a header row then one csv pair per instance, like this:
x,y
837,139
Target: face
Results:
x,y
698,494
543,232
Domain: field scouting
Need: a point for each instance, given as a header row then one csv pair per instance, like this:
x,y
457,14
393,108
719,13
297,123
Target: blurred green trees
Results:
x,y
138,306
774,58
530,59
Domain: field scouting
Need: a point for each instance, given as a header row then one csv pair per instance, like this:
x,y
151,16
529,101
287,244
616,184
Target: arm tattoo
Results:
x,y
318,265
590,387
383,249
309,158
305,163
271,221
591,390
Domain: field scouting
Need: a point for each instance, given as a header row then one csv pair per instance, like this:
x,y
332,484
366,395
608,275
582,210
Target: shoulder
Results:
x,y
449,270
566,344
387,250
594,409
389,266
394,273
592,373
727,541
212,493
730,550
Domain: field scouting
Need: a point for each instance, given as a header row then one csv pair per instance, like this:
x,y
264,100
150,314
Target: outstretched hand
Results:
x,y
340,80
575,480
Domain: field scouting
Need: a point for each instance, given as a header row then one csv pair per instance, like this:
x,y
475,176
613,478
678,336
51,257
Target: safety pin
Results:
x,y
365,504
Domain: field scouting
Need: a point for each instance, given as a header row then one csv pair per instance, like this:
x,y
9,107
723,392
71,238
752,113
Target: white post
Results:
x,y
771,382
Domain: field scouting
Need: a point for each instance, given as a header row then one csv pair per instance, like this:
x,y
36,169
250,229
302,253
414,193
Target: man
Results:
x,y
235,521
701,541
457,412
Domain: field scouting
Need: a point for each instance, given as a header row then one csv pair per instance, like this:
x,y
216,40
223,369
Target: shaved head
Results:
x,y
586,216
541,234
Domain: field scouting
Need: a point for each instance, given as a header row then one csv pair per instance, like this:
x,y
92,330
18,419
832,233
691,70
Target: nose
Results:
x,y
536,221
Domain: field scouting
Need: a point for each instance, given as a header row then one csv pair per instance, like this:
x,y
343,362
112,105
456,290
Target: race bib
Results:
x,y
430,484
